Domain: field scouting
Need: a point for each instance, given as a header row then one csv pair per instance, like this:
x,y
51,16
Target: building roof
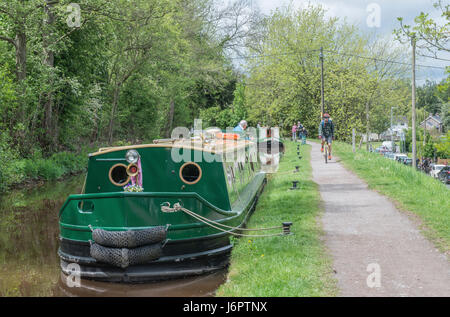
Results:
x,y
432,120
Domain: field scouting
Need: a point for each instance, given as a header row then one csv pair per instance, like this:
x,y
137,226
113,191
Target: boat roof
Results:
x,y
214,145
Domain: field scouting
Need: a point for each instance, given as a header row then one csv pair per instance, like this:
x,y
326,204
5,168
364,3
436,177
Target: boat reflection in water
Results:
x,y
199,286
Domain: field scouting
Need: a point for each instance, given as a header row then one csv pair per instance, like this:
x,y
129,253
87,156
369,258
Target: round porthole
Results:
x,y
190,173
118,175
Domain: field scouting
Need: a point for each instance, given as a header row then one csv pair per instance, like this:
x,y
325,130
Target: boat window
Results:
x,y
118,175
190,173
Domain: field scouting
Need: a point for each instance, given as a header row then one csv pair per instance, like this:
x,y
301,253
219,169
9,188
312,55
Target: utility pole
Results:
x,y
392,132
322,88
392,124
414,154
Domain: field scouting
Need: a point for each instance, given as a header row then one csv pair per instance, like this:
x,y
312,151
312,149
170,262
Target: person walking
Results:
x,y
294,132
326,133
299,130
304,135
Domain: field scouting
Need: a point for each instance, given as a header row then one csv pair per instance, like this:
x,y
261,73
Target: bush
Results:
x,y
70,162
56,166
443,147
7,157
42,169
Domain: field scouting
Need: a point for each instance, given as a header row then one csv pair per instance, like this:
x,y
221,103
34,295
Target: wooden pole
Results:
x,y
322,91
354,140
414,150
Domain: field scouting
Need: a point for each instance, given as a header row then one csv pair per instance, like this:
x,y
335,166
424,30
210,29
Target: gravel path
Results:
x,y
376,249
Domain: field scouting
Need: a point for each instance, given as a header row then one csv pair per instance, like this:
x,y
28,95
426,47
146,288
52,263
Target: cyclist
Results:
x,y
326,132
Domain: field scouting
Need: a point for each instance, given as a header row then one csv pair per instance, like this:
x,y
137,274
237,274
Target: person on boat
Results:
x,y
241,126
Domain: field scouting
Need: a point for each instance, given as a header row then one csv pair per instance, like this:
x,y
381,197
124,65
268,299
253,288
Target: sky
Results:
x,y
364,13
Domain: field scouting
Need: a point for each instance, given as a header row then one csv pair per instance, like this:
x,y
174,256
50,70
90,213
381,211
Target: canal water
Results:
x,y
29,263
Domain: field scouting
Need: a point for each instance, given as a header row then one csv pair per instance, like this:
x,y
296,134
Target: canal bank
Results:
x,y
290,266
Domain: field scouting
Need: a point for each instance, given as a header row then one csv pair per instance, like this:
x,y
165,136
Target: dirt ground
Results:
x,y
376,249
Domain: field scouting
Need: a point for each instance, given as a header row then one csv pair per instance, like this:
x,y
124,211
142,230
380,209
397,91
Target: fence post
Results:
x,y
354,140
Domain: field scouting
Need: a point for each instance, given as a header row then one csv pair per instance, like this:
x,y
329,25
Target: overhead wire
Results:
x,y
342,54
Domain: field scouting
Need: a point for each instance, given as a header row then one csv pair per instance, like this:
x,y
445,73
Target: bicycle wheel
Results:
x,y
326,153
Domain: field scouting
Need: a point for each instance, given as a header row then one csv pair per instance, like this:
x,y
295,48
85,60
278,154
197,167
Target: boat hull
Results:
x,y
191,248
179,265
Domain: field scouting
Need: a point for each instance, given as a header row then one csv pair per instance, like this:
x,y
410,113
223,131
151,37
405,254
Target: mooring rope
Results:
x,y
177,207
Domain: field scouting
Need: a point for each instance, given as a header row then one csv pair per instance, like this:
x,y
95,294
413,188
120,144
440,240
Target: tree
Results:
x,y
284,80
432,36
428,99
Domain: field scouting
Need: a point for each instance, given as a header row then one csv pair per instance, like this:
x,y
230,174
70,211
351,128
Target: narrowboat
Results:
x,y
160,211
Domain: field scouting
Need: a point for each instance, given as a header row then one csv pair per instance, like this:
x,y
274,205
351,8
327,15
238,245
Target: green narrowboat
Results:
x,y
162,210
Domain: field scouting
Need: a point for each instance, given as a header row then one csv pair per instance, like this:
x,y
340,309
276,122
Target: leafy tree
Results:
x,y
443,147
432,36
284,80
428,99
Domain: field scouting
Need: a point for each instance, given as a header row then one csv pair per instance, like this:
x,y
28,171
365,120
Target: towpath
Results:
x,y
376,249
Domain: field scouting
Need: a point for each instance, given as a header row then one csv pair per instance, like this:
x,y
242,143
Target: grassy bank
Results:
x,y
291,266
421,196
19,172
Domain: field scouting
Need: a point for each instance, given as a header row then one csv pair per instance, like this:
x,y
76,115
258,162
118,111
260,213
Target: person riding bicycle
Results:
x,y
326,132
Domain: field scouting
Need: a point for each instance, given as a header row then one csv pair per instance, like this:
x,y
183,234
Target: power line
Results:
x,y
337,53
384,60
273,55
434,57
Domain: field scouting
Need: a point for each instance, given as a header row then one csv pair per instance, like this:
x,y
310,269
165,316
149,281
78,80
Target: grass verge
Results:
x,y
289,266
412,191
21,173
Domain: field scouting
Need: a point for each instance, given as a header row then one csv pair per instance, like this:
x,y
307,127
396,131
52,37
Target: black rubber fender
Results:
x,y
130,238
123,257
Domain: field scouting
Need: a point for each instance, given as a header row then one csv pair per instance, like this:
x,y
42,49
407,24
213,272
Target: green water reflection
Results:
x,y
29,263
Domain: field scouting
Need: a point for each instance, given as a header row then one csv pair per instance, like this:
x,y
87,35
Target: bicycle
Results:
x,y
326,149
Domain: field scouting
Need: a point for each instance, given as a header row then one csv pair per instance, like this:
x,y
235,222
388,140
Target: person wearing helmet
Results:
x,y
326,132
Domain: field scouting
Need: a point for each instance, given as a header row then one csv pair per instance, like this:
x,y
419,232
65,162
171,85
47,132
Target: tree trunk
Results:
x,y
113,112
170,119
21,56
49,61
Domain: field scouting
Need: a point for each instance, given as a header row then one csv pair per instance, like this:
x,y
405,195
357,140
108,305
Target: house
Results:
x,y
432,123
372,137
395,131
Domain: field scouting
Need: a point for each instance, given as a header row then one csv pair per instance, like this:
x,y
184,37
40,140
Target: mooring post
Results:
x,y
287,228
